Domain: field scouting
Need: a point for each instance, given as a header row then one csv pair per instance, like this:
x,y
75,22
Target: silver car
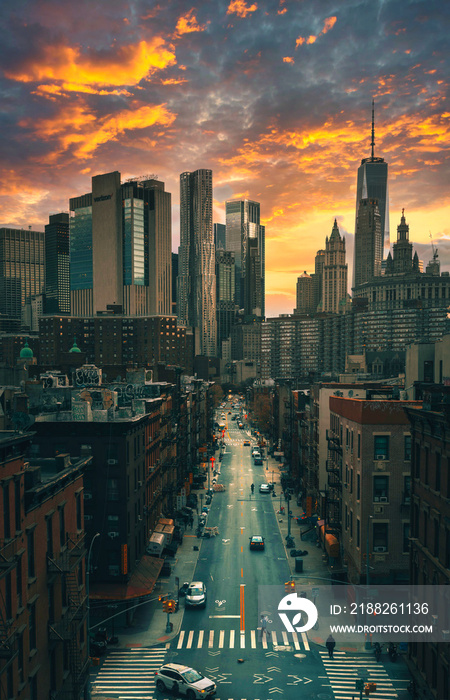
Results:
x,y
196,595
185,680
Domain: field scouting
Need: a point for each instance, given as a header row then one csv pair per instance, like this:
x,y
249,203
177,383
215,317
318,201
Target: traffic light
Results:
x,y
171,606
289,586
165,606
370,688
160,598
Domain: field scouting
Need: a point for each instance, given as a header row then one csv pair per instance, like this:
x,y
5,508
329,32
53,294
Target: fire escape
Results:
x,y
8,636
66,630
333,492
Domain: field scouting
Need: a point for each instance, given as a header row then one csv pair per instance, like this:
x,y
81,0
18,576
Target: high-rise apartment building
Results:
x,y
372,183
318,279
220,236
120,247
22,270
334,288
225,294
246,238
368,249
305,294
57,265
196,297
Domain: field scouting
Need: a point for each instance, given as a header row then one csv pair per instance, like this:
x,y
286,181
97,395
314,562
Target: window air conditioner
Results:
x,y
380,457
113,535
380,549
87,496
376,499
139,518
111,461
383,499
139,484
378,510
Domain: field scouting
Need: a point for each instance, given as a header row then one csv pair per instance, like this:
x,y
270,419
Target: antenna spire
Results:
x,y
373,128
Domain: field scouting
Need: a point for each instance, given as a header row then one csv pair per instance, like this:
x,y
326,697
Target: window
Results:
x,y
405,548
351,480
426,460
406,489
380,537
17,512
20,658
359,445
51,603
346,518
6,512
438,472
19,582
407,446
381,446
62,527
351,523
50,537
380,488
112,490
358,532
436,538
358,487
32,626
78,507
30,553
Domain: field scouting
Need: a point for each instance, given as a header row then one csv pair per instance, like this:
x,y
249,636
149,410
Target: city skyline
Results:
x,y
274,97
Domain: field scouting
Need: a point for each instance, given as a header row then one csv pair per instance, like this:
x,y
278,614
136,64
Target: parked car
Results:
x,y
196,595
185,680
256,542
264,488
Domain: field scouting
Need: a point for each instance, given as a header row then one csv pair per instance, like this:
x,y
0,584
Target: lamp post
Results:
x,y
88,607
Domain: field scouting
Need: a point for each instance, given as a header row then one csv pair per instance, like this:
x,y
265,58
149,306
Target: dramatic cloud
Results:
x,y
273,95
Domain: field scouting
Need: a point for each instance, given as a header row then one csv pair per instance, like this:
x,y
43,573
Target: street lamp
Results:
x,y
88,607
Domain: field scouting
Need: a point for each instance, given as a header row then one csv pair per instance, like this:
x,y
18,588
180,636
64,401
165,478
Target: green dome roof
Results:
x,y
26,351
75,347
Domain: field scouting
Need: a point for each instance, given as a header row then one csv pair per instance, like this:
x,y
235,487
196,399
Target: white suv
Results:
x,y
185,680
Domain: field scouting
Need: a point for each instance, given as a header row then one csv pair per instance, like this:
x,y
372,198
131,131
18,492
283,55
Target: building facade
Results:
x,y
334,285
368,248
225,295
120,247
57,265
305,295
22,271
196,292
245,236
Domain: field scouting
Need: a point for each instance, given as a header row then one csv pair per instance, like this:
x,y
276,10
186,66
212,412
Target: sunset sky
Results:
x,y
273,95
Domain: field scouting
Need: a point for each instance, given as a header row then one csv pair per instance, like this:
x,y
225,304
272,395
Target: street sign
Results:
x,y
314,592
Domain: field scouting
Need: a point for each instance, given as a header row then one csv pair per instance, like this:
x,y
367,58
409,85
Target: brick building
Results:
x,y
43,647
370,474
430,524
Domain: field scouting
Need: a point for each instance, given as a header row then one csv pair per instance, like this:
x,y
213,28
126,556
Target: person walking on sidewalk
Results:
x,y
264,630
330,644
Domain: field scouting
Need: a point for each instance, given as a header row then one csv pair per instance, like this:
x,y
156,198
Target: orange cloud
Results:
x,y
239,8
78,128
329,24
299,41
173,81
283,11
188,23
311,39
128,65
288,59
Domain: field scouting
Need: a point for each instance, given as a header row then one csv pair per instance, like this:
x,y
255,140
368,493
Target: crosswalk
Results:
x,y
343,672
235,639
129,674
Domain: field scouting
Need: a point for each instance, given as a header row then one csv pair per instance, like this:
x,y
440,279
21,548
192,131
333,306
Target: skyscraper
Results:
x,y
22,270
368,250
372,183
334,291
225,295
196,293
305,295
246,238
120,247
220,236
57,265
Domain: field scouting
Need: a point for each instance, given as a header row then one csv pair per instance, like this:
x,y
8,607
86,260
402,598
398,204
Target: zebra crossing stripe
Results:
x,y
190,638
274,638
264,640
253,639
211,639
180,640
305,640
242,640
296,643
232,632
200,639
285,638
221,638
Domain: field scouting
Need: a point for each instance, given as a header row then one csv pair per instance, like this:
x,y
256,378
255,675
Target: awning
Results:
x,y
331,545
141,583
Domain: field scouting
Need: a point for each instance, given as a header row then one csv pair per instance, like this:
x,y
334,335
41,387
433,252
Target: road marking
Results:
x,y
242,643
200,639
295,638
237,617
242,604
211,639
305,640
242,548
253,639
180,640
274,638
221,638
232,633
190,638
264,641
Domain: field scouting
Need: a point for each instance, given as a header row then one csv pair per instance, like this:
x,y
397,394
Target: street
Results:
x,y
225,640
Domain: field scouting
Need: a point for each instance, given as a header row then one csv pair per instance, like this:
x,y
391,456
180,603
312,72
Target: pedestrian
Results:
x,y
264,630
191,522
330,644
